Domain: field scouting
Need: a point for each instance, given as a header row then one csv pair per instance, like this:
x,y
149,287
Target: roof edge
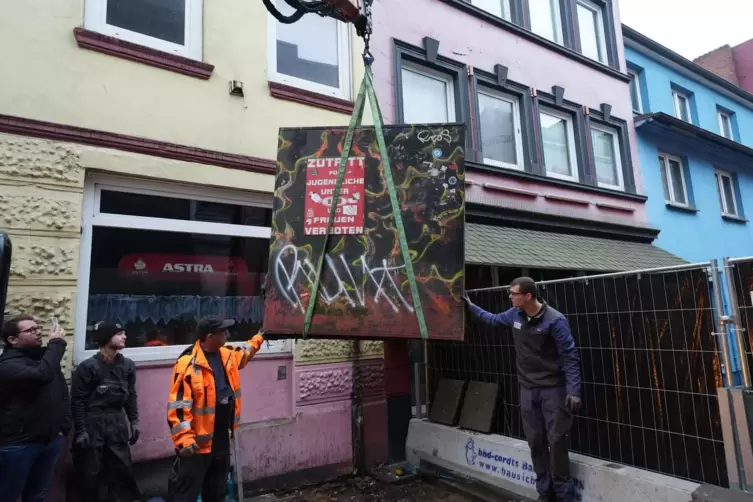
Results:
x,y
630,34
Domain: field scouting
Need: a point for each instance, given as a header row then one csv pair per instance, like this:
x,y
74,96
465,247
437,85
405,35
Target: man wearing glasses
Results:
x,y
34,409
549,378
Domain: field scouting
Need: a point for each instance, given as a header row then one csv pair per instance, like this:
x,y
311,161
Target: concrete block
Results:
x,y
711,493
505,462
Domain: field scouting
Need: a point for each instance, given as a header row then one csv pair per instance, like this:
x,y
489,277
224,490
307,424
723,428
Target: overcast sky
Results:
x,y
690,31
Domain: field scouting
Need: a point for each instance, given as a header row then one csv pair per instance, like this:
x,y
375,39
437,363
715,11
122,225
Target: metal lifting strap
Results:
x,y
367,90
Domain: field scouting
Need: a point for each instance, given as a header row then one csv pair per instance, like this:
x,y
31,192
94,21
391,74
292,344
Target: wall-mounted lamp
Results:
x,y
236,88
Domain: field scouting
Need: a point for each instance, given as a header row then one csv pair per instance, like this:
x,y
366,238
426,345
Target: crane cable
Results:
x,y
367,90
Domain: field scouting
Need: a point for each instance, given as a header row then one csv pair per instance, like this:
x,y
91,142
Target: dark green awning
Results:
x,y
515,247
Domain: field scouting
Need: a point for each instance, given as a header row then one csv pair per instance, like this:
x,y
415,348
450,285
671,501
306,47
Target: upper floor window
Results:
x,y
607,154
635,91
546,19
499,8
558,139
173,26
727,195
501,140
675,185
593,42
428,95
725,124
682,105
312,53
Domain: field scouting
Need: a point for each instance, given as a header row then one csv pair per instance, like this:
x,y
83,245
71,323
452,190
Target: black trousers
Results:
x,y
104,469
199,474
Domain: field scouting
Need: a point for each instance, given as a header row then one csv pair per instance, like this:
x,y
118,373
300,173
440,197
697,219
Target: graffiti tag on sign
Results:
x,y
506,466
321,178
355,283
443,136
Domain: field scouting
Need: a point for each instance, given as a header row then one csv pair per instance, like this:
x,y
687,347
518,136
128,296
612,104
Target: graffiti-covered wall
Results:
x,y
364,289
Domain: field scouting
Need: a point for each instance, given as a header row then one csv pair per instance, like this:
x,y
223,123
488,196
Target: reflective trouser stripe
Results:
x,y
204,438
203,411
180,404
181,427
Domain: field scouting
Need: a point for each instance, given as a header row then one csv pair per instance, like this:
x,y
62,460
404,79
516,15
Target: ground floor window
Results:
x,y
157,257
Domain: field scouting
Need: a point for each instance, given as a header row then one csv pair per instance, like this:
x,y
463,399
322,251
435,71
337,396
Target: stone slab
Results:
x,y
479,406
446,405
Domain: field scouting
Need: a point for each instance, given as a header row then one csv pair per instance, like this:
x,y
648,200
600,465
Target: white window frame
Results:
x,y
722,199
635,79
557,13
617,155
344,91
676,101
571,150
92,217
668,179
505,4
600,35
721,117
436,75
516,125
95,19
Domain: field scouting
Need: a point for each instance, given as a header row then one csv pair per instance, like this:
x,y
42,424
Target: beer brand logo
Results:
x,y
188,267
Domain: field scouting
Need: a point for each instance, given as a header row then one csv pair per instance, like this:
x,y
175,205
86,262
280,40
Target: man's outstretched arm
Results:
x,y
506,318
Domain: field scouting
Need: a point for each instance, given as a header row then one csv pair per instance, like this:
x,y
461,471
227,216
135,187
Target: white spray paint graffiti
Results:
x,y
425,136
290,270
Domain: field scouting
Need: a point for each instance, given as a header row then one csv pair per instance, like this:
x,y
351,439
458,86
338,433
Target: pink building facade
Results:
x,y
295,423
543,89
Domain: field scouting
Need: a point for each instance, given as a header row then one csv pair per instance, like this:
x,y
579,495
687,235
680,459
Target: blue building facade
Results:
x,y
695,148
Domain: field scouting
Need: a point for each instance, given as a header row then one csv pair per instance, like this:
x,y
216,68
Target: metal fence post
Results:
x,y
417,387
721,322
735,321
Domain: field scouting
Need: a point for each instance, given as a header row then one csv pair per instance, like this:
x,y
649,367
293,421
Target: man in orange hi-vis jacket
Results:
x,y
203,410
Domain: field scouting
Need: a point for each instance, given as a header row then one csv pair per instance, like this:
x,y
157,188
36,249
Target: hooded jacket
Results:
x,y
34,399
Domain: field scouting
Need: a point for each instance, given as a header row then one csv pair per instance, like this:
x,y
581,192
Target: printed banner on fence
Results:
x,y
321,178
485,458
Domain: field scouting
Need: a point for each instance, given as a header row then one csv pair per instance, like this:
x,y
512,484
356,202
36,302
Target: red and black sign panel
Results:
x,y
364,290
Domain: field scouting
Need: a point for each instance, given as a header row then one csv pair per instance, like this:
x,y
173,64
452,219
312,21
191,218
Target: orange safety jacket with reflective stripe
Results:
x,y
191,404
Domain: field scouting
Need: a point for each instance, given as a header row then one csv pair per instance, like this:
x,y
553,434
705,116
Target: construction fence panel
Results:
x,y
740,276
650,368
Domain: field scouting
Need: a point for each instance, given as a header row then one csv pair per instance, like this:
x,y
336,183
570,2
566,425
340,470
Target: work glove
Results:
x,y
82,441
468,302
188,450
256,342
135,433
572,403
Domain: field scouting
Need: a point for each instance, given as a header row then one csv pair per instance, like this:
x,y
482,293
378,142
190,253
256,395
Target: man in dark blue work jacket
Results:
x,y
549,378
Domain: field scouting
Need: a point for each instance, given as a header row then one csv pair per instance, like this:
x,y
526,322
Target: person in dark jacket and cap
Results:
x,y
549,378
34,409
103,398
